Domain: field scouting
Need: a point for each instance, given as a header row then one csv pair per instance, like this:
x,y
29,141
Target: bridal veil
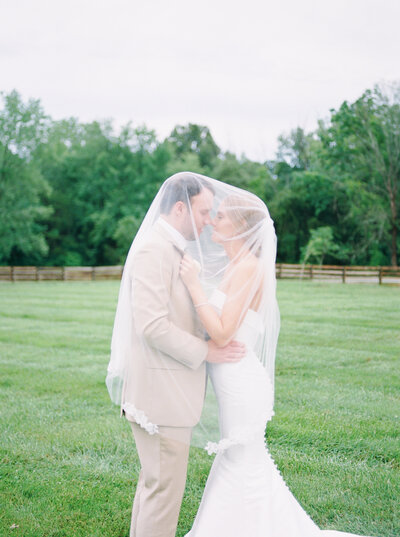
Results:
x,y
156,323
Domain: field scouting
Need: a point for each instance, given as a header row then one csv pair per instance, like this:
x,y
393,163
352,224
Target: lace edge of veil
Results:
x,y
140,418
245,436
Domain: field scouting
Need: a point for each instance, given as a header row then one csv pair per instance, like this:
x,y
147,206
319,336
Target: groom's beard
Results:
x,y
191,236
189,232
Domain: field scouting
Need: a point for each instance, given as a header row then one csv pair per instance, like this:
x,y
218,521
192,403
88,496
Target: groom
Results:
x,y
165,387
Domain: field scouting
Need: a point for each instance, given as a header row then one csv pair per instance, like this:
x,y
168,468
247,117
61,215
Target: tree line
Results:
x,y
74,193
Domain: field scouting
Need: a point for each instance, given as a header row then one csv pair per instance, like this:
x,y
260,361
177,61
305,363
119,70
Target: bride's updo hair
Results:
x,y
245,213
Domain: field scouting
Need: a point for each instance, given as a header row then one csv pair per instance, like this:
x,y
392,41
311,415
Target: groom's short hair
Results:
x,y
182,188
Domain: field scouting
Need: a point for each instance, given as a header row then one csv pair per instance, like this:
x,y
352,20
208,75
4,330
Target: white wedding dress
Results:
x,y
245,495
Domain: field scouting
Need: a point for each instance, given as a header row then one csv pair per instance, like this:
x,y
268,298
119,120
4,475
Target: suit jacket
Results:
x,y
167,373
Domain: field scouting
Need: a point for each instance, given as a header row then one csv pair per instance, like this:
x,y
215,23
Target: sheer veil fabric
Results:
x,y
157,370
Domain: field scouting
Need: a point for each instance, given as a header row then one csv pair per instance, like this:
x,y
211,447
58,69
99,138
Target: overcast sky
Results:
x,y
248,69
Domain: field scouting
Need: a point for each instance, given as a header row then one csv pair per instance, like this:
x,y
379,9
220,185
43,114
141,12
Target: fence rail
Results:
x,y
336,273
332,273
15,274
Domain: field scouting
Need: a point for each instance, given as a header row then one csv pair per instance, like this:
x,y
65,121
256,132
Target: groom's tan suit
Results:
x,y
166,381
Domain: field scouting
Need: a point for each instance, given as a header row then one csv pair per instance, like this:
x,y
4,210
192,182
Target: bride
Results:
x,y
245,495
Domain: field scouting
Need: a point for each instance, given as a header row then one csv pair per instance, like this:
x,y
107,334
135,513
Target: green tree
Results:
x,y
185,162
296,149
362,143
320,246
102,186
23,190
311,199
246,174
197,139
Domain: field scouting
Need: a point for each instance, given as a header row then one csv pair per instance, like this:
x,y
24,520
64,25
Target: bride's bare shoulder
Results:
x,y
246,268
241,273
251,262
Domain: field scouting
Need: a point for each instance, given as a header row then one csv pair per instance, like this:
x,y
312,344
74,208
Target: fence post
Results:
x,y
380,275
63,273
37,274
12,274
93,274
344,275
311,272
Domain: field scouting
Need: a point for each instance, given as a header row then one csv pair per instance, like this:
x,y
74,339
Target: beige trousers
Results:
x,y
163,458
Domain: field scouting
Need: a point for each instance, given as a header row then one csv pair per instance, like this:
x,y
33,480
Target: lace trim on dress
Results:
x,y
140,418
245,436
223,444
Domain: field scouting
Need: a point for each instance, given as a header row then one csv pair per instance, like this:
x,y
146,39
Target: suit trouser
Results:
x,y
163,458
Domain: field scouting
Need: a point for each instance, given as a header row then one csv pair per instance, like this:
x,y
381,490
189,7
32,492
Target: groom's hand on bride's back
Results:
x,y
233,352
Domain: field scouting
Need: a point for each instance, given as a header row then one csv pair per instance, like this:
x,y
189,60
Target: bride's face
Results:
x,y
224,229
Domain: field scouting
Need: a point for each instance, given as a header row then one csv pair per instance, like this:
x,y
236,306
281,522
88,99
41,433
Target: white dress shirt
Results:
x,y
179,239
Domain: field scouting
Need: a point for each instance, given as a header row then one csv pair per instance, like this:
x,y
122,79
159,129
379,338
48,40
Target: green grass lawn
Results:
x,y
68,463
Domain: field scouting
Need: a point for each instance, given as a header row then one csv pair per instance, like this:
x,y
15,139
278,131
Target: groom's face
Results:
x,y
199,215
